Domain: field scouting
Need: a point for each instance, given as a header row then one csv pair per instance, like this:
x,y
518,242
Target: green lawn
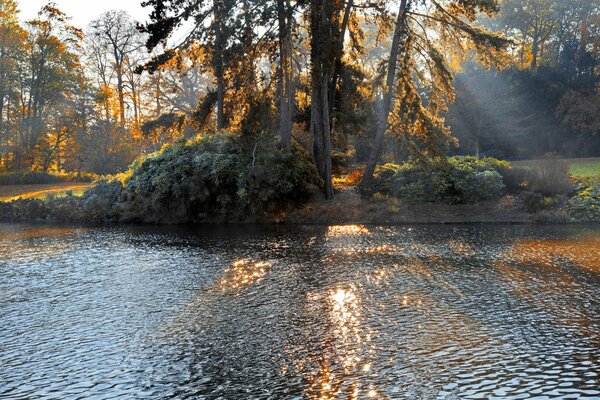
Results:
x,y
13,192
580,167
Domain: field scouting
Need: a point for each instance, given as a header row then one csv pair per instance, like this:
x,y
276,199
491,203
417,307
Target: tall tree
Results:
x,y
12,41
285,70
52,68
534,20
213,33
418,59
324,28
388,94
114,33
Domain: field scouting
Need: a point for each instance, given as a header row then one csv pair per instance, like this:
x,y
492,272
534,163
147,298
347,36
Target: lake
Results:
x,y
306,312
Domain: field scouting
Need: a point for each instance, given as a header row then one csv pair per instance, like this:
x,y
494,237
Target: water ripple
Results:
x,y
342,312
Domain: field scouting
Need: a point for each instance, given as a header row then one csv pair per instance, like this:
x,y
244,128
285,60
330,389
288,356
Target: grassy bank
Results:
x,y
578,167
41,191
44,178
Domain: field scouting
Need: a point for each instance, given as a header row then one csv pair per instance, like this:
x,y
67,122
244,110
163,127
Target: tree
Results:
x,y
400,30
534,20
286,94
48,80
12,40
324,30
417,60
213,34
115,34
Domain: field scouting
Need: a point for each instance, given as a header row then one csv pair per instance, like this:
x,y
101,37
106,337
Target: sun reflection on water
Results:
x,y
584,252
345,363
243,273
339,230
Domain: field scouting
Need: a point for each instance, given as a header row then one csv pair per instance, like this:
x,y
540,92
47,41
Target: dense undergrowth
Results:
x,y
455,180
236,178
545,188
214,178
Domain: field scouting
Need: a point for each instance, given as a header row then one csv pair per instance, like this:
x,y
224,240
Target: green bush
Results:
x,y
453,180
100,202
514,179
535,202
585,204
224,177
215,177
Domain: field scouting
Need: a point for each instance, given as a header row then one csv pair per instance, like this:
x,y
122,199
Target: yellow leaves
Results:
x,y
455,65
137,134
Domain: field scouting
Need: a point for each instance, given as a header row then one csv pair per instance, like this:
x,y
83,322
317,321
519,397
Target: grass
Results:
x,y
578,167
14,192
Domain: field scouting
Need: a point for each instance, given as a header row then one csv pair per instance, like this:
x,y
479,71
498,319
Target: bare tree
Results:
x,y
115,33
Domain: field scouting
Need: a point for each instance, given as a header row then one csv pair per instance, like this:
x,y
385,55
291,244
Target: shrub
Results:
x,y
352,179
514,179
535,202
585,204
549,177
223,176
454,180
100,203
342,160
482,186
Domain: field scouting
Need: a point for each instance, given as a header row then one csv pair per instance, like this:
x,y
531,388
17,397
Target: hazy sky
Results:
x,y
84,11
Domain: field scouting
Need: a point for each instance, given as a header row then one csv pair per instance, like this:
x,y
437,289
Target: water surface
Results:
x,y
340,312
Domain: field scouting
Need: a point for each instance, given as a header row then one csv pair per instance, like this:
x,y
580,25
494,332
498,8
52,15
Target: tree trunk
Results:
x,y
285,75
158,108
338,60
218,65
220,99
382,125
534,52
120,91
320,129
121,98
136,106
323,19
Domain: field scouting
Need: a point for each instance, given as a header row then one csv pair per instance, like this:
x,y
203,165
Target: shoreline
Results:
x,y
345,209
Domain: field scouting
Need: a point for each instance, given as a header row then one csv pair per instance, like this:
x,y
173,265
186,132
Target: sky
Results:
x,y
84,11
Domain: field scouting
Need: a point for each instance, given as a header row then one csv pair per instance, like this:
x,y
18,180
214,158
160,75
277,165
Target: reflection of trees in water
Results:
x,y
336,313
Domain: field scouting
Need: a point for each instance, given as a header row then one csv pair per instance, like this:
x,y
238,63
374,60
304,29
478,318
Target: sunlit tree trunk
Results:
x,y
322,21
285,75
121,94
338,60
158,94
534,52
219,64
388,96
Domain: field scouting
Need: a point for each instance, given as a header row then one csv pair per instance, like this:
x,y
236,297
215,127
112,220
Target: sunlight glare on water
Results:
x,y
307,312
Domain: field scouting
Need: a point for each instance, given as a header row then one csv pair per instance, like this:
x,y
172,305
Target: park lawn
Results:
x,y
42,191
579,167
